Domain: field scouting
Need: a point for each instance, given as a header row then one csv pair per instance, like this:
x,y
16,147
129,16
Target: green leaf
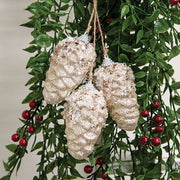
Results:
x,y
113,31
31,49
140,74
50,167
140,177
126,23
124,10
80,7
134,19
121,163
7,177
175,85
122,145
109,170
65,1
139,35
176,100
92,159
43,57
11,147
64,8
74,172
32,80
29,24
37,146
161,26
127,48
139,84
175,175
6,167
43,40
174,52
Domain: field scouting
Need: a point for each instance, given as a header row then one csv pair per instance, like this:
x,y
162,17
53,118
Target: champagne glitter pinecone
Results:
x,y
71,61
116,80
85,114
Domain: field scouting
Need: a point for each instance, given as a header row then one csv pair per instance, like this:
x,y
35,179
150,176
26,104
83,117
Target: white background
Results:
x,y
13,76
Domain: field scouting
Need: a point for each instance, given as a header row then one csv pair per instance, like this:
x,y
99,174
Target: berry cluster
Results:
x,y
152,125
88,169
28,127
174,2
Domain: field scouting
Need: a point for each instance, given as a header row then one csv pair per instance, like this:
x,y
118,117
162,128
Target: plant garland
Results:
x,y
141,34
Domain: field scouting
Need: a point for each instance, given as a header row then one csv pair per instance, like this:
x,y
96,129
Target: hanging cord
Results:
x,y
96,21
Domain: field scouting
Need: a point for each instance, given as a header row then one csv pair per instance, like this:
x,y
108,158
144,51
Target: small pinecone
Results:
x,y
69,65
85,114
116,80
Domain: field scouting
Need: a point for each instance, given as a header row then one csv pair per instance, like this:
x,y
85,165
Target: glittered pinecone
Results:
x,y
71,61
85,114
116,80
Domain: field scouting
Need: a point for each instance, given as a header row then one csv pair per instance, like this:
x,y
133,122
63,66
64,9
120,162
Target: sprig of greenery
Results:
x,y
142,34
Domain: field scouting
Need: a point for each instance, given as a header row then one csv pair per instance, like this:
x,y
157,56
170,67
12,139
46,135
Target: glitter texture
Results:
x,y
69,65
85,114
116,80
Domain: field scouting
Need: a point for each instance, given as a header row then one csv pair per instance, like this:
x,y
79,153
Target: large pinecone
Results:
x,y
69,65
85,114
116,80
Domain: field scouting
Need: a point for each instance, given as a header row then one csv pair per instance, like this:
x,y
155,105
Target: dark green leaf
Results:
x,y
7,177
121,163
176,100
122,145
65,7
140,74
124,10
31,81
127,48
92,159
126,23
37,146
11,147
43,40
43,57
140,177
113,31
6,167
161,26
139,35
74,172
139,84
65,1
50,167
175,175
175,85
31,49
29,24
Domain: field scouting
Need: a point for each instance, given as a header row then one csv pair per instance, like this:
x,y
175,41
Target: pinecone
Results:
x,y
85,114
69,65
116,80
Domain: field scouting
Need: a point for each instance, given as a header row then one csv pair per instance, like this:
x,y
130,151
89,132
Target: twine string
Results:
x,y
95,16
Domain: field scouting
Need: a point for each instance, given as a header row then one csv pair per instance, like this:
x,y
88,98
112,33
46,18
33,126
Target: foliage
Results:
x,y
143,35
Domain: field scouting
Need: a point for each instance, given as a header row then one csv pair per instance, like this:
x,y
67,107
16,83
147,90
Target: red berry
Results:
x,y
23,142
100,160
159,129
145,113
158,119
156,141
25,114
174,2
144,140
155,104
39,118
31,129
88,169
110,21
15,137
32,104
104,176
